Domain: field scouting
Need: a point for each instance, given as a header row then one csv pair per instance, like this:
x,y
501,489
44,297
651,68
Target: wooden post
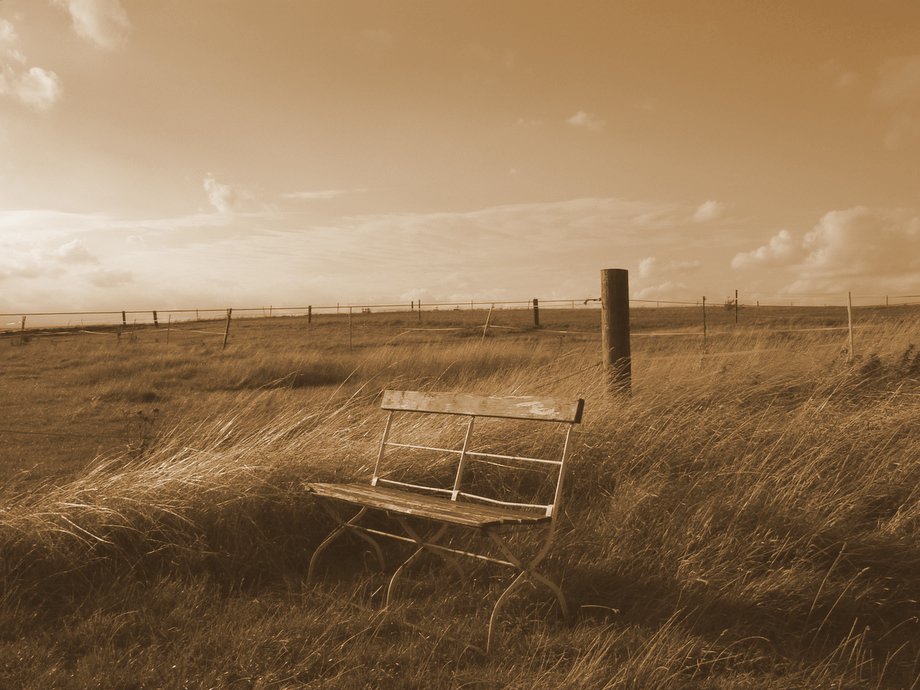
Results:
x,y
156,324
168,326
227,330
310,314
349,328
615,328
485,329
196,314
420,311
412,305
23,329
736,305
850,325
704,320
124,319
536,312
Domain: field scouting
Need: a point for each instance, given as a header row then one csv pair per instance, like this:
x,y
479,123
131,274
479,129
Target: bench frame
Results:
x,y
443,509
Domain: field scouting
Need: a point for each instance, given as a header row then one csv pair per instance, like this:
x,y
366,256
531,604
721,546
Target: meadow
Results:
x,y
748,517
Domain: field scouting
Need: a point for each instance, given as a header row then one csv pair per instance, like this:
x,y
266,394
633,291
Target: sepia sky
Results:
x,y
176,153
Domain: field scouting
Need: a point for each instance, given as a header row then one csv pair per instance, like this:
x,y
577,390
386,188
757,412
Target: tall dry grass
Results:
x,y
748,517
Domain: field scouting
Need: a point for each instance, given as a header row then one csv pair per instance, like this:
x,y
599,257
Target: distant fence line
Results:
x,y
418,306
120,322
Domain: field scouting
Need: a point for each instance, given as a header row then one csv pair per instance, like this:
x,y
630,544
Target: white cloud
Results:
x,y
779,249
708,210
647,266
35,87
38,88
101,22
664,280
585,120
864,242
9,44
75,252
221,196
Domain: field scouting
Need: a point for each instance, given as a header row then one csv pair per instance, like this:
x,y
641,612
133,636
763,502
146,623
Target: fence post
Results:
x,y
615,329
420,311
704,320
227,329
310,314
349,328
736,305
124,319
536,312
168,327
485,329
850,325
156,324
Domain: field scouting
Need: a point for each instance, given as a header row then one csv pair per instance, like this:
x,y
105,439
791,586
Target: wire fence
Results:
x,y
23,320
698,319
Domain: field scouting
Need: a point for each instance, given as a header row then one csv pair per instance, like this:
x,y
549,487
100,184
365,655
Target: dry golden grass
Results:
x,y
747,518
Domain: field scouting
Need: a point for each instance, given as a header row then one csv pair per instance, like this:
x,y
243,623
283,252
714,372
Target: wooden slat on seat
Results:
x,y
509,407
421,505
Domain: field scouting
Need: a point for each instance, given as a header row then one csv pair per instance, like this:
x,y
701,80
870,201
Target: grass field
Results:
x,y
747,518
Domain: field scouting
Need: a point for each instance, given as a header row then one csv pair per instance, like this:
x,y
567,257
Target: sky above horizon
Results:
x,y
219,153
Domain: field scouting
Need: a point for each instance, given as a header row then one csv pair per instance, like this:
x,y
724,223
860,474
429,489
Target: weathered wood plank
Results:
x,y
420,505
510,407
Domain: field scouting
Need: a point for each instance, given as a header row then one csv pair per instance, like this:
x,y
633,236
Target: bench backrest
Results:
x,y
537,409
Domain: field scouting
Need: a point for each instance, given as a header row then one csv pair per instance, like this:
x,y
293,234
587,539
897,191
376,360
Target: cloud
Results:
x,y
101,22
664,279
37,88
864,242
779,249
33,86
707,211
647,266
860,248
74,252
221,196
585,120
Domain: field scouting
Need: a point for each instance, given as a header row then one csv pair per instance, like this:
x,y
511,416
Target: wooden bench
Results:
x,y
427,510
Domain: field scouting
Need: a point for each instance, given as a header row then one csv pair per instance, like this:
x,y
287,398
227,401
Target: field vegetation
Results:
x,y
749,517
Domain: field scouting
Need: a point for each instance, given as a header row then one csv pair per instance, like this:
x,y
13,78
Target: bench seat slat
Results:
x,y
420,505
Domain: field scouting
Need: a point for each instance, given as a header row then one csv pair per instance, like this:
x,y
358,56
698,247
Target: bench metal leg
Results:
x,y
423,545
529,571
498,604
343,527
